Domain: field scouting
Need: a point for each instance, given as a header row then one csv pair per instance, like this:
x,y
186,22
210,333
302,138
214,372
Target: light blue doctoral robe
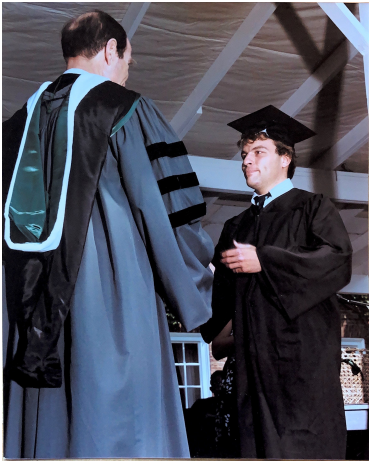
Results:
x,y
120,395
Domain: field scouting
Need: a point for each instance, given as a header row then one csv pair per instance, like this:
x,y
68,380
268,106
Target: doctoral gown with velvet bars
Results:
x,y
286,325
119,395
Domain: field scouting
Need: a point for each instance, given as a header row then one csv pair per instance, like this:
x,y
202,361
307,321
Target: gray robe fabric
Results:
x,y
120,395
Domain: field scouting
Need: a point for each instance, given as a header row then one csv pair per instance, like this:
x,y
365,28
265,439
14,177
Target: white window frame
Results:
x,y
353,342
356,415
204,359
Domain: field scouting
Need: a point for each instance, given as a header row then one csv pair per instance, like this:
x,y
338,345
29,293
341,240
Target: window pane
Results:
x,y
178,353
193,375
191,352
192,395
180,374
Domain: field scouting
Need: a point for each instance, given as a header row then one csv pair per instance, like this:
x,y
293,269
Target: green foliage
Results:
x,y
174,324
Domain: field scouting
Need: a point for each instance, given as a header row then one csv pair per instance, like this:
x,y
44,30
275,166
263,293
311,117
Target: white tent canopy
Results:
x,y
206,64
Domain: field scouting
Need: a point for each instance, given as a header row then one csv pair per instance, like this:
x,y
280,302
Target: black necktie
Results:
x,y
259,202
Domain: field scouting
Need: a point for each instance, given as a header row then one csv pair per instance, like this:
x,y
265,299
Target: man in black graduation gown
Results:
x,y
278,267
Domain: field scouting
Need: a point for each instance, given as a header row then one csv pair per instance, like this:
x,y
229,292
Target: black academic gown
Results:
x,y
286,325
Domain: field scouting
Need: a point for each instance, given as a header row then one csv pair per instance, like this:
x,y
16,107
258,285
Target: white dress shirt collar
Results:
x,y
276,191
75,70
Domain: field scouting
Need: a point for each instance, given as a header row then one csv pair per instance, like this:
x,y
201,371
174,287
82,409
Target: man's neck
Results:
x,y
266,189
92,66
276,191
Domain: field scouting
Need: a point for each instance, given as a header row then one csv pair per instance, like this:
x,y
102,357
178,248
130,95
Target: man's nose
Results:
x,y
248,159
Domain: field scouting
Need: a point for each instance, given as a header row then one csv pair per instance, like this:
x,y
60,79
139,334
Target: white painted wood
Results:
x,y
204,358
366,72
244,203
226,212
364,19
219,175
357,406
348,24
361,270
348,215
353,342
214,231
344,148
210,201
226,176
210,210
359,284
360,242
133,17
357,226
237,156
356,420
190,123
231,52
311,87
360,262
364,15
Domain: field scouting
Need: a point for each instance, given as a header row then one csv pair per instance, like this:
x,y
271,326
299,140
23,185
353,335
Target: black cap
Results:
x,y
278,125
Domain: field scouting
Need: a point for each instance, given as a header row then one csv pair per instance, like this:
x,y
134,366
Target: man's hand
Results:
x,y
242,259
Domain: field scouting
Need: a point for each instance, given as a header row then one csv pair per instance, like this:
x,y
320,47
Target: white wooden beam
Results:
x,y
133,17
210,210
360,258
362,269
348,215
364,19
360,242
344,148
364,15
326,71
190,123
353,30
311,87
366,72
210,201
231,52
359,284
218,175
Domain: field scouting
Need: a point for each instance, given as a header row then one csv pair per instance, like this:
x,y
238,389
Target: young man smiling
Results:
x,y
278,267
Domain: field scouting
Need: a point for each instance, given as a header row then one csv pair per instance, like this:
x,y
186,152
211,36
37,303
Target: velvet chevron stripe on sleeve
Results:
x,y
176,182
179,218
162,149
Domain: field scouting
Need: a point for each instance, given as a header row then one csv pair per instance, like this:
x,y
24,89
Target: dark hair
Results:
x,y
89,33
281,148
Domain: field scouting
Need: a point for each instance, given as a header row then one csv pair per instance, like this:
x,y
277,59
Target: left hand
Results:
x,y
242,259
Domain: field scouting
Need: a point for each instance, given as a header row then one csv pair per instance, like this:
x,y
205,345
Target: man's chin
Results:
x,y
250,182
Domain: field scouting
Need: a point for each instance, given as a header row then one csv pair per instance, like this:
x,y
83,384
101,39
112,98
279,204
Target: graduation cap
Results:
x,y
275,124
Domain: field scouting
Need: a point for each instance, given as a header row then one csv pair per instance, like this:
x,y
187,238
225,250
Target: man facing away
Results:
x,y
278,267
101,223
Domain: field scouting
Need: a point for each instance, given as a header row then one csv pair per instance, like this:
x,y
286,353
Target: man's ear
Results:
x,y
111,51
286,160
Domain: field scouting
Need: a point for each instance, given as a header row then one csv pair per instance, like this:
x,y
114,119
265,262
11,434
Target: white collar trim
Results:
x,y
276,191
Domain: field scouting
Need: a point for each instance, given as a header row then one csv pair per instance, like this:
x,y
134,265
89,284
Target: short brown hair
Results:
x,y
87,34
281,148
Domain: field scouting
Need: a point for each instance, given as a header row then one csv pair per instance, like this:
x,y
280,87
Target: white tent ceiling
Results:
x,y
226,60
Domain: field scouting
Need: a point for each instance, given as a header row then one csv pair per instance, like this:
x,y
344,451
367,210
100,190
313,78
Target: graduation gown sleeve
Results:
x,y
223,296
167,208
302,276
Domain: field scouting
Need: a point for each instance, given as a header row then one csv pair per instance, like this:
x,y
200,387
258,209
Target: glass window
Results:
x,y
191,357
